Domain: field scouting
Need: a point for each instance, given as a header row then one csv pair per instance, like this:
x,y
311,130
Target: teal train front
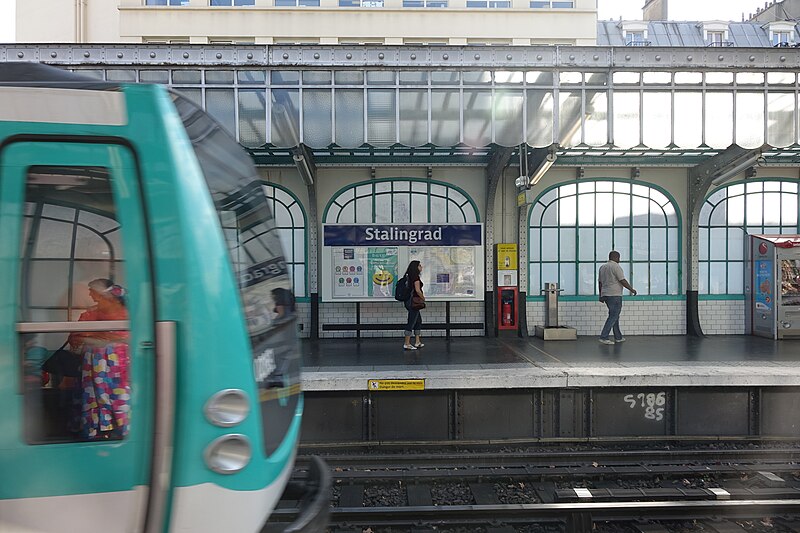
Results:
x,y
149,370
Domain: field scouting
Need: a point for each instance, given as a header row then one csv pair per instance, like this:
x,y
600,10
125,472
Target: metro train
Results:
x,y
149,369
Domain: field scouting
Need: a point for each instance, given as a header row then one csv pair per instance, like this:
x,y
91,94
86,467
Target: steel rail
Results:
x,y
543,457
456,514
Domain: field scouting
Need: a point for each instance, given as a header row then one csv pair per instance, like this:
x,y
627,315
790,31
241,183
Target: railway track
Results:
x,y
571,490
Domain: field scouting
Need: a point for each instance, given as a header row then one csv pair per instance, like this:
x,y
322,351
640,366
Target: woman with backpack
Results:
x,y
414,303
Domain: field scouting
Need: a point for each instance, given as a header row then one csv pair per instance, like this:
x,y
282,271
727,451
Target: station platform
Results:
x,y
513,362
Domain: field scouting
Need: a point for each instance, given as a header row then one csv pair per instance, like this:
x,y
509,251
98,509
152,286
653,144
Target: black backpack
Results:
x,y
401,292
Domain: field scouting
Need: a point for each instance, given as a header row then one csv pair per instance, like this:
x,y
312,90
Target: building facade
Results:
x,y
391,22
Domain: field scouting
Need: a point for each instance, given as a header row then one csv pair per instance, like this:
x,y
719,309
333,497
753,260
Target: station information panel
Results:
x,y
362,262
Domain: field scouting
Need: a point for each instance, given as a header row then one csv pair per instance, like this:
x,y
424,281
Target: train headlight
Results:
x,y
228,454
227,408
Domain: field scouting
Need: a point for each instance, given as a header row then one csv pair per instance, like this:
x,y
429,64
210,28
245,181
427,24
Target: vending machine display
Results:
x,y
772,286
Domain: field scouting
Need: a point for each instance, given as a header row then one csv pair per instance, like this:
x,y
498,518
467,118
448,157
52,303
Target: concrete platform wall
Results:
x,y
303,319
395,313
660,317
722,317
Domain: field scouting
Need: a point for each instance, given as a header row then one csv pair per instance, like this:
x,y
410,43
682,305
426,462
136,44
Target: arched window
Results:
x,y
730,213
573,227
290,223
401,201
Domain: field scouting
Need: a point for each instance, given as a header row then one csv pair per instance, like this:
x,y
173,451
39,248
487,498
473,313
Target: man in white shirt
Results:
x,y
610,281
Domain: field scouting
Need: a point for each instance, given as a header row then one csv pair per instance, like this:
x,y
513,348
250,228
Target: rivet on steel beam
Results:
x,y
445,57
20,54
477,56
509,57
783,58
349,56
86,54
658,58
539,57
413,57
752,58
249,56
152,55
219,56
595,57
120,55
627,58
316,56
186,55
689,58
381,56
286,56
53,54
721,58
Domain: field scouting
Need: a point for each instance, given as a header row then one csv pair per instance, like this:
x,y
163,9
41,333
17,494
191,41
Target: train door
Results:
x,y
76,339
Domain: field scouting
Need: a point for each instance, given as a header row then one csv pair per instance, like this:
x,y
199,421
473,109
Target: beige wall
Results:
x,y
131,21
386,24
68,21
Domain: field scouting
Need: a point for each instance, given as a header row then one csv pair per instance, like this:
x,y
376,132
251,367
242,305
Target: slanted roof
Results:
x,y
687,33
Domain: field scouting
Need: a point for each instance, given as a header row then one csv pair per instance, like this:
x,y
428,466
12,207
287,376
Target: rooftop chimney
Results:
x,y
655,10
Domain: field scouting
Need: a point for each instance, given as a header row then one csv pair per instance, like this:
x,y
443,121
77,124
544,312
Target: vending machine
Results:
x,y
772,286
507,288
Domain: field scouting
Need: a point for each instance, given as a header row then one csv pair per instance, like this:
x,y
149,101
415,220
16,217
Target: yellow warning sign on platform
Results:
x,y
396,384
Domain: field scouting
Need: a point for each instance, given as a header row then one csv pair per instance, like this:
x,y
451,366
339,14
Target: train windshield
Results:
x,y
257,258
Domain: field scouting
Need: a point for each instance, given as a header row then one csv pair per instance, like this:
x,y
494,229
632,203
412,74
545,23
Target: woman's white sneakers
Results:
x,y
419,345
409,347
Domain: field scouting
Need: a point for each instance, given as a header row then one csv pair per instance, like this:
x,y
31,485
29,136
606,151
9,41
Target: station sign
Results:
x,y
395,384
402,235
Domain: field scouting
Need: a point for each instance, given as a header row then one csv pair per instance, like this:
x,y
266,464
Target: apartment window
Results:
x,y
489,3
424,3
633,38
360,3
167,2
554,4
296,3
782,38
233,2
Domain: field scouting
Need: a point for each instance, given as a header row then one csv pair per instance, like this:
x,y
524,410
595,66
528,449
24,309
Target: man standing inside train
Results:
x,y
610,282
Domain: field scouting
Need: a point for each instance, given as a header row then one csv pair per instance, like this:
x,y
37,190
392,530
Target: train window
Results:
x,y
75,383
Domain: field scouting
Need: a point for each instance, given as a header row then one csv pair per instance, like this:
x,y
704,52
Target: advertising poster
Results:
x,y
349,268
382,271
764,289
447,270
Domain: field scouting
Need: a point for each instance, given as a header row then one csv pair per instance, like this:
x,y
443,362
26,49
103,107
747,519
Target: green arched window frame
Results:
x,y
567,215
291,223
400,201
728,215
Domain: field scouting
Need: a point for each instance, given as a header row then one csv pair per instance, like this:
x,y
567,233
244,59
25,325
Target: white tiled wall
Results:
x,y
722,317
395,313
666,317
303,310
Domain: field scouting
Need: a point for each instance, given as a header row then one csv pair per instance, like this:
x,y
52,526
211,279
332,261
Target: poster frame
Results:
x,y
326,277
